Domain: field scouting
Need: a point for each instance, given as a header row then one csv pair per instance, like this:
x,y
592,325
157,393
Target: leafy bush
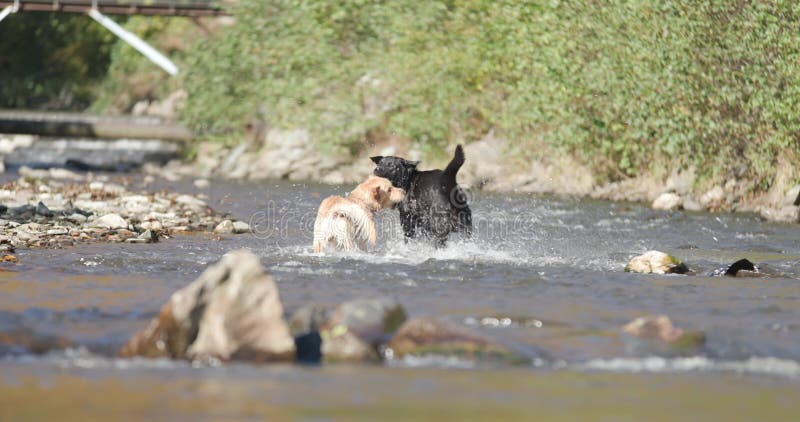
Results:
x,y
628,86
50,60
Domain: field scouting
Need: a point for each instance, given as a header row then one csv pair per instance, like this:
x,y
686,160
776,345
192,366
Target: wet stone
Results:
x,y
231,312
656,262
241,227
110,221
429,336
225,227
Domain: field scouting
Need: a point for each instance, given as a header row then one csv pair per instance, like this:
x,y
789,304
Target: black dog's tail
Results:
x,y
455,163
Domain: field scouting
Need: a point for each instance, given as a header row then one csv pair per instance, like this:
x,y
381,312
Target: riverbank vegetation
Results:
x,y
627,87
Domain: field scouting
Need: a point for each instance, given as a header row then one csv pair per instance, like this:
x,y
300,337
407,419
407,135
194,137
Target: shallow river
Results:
x,y
542,276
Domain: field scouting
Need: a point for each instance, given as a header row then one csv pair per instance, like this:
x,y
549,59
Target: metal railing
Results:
x,y
123,7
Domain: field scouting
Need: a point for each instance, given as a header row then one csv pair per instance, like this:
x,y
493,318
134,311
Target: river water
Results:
x,y
542,276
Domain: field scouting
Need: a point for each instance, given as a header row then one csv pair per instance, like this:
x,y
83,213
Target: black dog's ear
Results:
x,y
411,164
376,159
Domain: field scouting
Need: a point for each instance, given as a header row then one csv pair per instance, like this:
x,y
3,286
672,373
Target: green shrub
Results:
x,y
628,86
50,60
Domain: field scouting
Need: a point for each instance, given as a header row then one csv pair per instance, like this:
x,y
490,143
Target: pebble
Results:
x,y
110,221
57,231
225,227
241,227
201,183
45,213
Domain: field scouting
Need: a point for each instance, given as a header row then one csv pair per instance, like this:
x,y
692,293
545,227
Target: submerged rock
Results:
x,y
429,336
740,268
372,320
656,262
231,312
351,332
655,334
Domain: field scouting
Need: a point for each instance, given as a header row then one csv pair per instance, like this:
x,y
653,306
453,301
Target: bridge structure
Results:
x,y
121,7
103,142
97,10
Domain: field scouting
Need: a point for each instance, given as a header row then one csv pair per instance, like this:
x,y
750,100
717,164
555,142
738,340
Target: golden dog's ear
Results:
x,y
376,194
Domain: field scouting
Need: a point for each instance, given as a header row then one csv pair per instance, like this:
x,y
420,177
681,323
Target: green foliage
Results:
x,y
627,85
51,60
131,76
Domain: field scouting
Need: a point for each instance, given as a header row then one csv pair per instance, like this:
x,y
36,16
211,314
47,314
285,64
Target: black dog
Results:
x,y
434,204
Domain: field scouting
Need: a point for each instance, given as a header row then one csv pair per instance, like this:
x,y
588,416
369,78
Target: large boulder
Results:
x,y
231,312
656,262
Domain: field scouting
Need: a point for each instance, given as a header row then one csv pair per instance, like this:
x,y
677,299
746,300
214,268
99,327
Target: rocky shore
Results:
x,y
292,155
57,208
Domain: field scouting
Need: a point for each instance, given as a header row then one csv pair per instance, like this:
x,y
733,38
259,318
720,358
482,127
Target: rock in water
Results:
x,y
372,320
421,336
740,268
655,334
656,262
231,312
349,333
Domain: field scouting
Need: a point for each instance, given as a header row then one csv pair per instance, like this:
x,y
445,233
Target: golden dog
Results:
x,y
347,223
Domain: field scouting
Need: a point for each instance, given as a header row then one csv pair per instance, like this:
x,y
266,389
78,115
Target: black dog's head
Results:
x,y
397,170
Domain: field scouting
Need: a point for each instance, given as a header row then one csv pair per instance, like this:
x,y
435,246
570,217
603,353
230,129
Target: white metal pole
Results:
x,y
151,53
9,10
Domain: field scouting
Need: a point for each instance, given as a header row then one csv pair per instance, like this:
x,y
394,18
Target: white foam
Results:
x,y
754,365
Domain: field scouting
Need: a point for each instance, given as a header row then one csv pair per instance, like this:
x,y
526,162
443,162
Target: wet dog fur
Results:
x,y
434,205
347,223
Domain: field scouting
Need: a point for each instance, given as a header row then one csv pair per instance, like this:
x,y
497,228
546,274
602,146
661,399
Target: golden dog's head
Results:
x,y
378,193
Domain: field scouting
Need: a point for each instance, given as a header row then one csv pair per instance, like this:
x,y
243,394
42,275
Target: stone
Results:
x,y
231,312
713,198
76,218
784,214
740,268
372,320
152,225
485,163
240,227
190,201
655,334
340,346
691,204
202,183
146,237
56,231
667,202
224,227
681,181
109,221
792,196
308,318
656,262
424,336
